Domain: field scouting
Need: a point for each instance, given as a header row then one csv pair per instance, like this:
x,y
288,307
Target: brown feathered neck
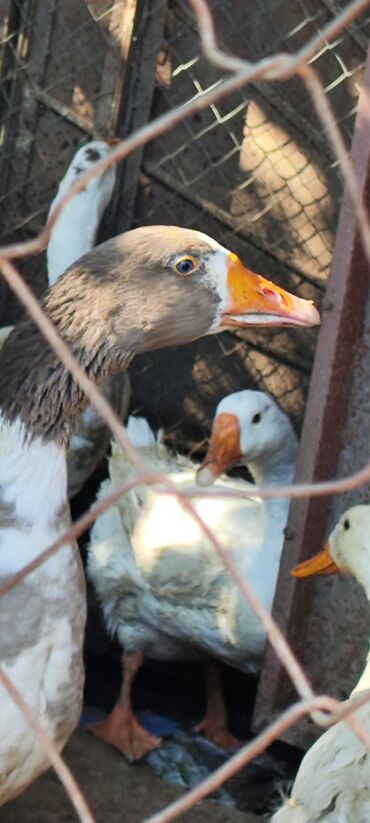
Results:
x,y
34,384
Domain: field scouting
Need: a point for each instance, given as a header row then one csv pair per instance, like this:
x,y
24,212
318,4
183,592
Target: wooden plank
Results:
x,y
137,94
120,28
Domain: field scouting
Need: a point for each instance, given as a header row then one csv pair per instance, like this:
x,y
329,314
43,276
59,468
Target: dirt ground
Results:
x,y
115,791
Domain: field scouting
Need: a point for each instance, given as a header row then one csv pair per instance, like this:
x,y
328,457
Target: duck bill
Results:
x,y
223,450
254,301
321,563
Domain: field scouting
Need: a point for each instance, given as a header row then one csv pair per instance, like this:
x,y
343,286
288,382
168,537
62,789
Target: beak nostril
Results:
x,y
273,295
270,293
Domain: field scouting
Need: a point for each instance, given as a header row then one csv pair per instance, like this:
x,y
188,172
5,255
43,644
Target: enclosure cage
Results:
x,y
255,171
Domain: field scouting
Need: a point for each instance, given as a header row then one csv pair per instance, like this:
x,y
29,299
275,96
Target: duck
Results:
x,y
333,781
73,235
164,592
150,287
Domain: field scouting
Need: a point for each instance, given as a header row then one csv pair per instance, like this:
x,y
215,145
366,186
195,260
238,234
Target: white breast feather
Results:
x,y
150,547
46,667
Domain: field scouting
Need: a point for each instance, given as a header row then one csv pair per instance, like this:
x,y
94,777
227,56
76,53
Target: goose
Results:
x,y
73,235
163,590
76,228
333,781
142,290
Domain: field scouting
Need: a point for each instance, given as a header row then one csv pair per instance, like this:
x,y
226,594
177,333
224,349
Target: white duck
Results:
x,y
163,590
333,781
148,288
73,235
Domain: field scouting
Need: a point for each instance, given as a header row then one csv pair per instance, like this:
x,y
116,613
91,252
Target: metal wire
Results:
x,y
276,67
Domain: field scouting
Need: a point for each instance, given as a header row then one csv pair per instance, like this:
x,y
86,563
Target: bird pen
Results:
x,y
251,126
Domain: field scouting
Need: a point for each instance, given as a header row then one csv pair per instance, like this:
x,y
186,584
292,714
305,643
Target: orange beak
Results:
x,y
321,563
113,141
223,450
255,301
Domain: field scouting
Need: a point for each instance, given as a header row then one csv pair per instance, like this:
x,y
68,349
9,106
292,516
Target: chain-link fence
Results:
x,y
251,168
254,171
60,69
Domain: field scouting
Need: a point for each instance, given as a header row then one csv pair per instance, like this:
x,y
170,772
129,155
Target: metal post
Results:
x,y
326,620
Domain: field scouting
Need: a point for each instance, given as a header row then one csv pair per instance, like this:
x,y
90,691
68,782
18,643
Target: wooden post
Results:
x,y
143,45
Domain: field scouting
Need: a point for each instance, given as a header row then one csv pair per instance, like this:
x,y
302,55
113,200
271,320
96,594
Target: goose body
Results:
x,y
125,297
41,620
163,589
333,781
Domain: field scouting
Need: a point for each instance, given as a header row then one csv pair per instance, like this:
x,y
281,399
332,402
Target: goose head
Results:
x,y
248,428
347,549
186,285
75,231
85,158
157,286
148,288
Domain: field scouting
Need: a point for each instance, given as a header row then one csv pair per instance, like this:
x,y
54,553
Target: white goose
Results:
x,y
163,590
166,286
75,231
75,234
333,781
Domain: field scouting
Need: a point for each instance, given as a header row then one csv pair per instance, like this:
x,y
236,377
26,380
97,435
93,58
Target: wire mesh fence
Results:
x,y
60,68
257,160
245,162
254,171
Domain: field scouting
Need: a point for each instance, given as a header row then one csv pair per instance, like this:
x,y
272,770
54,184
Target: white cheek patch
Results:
x,y
215,277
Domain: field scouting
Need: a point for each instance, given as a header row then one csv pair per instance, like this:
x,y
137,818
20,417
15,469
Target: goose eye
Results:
x,y
256,418
186,265
346,524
